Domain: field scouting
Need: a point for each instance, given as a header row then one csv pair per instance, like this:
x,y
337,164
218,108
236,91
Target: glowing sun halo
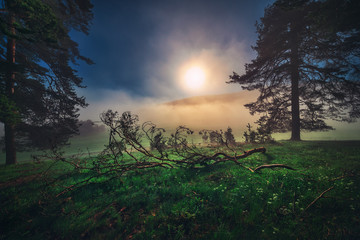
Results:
x,y
194,78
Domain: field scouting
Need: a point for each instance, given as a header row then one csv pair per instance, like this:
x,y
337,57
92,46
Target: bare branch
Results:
x,y
316,199
126,151
273,166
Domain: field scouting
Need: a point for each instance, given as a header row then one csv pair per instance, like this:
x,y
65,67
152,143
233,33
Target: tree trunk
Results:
x,y
10,84
295,105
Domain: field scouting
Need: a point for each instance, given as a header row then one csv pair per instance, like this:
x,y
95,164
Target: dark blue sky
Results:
x,y
138,46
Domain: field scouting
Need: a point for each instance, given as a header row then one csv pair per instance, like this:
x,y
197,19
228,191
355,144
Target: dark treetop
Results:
x,y
307,65
37,79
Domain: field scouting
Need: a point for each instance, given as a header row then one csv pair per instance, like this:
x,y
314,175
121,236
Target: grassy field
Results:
x,y
320,200
78,145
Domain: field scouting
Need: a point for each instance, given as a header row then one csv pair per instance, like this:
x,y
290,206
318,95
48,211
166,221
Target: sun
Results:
x,y
194,78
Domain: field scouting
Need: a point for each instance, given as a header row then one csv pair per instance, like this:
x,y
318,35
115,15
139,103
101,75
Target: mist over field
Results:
x,y
205,112
213,112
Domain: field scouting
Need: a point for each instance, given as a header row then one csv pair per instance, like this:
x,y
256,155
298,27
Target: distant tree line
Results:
x,y
262,134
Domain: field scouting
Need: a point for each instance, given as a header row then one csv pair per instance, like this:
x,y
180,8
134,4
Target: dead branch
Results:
x,y
126,151
226,157
341,177
316,199
273,166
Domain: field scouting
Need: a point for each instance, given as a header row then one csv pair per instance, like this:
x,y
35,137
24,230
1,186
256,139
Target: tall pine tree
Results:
x,y
37,89
305,70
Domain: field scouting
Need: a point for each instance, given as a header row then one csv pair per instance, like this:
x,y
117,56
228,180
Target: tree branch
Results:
x,y
316,199
273,166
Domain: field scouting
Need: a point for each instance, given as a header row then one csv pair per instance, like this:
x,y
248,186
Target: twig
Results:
x,y
231,158
341,177
316,199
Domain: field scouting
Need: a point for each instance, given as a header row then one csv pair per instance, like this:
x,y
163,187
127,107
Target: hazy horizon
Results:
x,y
217,111
213,112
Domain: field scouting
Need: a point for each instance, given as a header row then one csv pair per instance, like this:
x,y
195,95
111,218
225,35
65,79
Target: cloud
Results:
x,y
211,35
187,35
202,112
165,77
146,44
101,100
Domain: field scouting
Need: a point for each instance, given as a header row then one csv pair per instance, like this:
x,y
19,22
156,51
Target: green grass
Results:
x,y
214,202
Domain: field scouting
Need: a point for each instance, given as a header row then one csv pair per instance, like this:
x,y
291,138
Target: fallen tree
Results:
x,y
132,147
126,136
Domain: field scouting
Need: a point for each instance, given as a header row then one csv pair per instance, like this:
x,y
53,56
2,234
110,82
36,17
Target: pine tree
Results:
x,y
229,137
37,80
305,71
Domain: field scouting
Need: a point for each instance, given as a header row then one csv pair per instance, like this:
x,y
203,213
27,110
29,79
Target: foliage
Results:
x,y
8,110
261,135
216,202
306,69
229,136
45,81
264,130
214,136
218,137
249,134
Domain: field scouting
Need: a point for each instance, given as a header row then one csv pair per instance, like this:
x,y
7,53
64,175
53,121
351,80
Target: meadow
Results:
x,y
320,200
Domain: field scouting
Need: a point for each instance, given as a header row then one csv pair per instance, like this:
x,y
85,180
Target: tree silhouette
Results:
x,y
305,70
37,79
229,136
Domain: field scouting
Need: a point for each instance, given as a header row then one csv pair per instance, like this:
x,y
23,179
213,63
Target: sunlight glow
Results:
x,y
194,78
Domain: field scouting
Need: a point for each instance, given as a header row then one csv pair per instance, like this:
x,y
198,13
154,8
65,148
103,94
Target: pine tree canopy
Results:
x,y
44,80
307,65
